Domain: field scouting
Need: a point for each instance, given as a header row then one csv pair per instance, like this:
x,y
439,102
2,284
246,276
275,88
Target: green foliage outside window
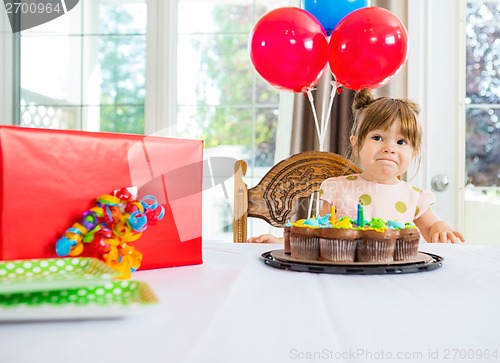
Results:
x,y
122,62
241,96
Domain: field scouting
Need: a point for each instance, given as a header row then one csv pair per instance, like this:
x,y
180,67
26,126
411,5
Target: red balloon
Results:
x,y
289,49
367,48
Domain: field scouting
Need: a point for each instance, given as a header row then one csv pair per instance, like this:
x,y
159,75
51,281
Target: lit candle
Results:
x,y
332,215
361,216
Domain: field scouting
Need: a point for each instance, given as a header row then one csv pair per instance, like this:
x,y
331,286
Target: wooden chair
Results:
x,y
275,198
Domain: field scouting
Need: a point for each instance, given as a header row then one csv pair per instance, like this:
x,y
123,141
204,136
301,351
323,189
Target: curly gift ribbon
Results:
x,y
106,229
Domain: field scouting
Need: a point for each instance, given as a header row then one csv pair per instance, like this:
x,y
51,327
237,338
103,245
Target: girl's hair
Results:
x,y
380,113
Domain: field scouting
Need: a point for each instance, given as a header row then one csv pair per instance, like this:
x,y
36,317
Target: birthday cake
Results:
x,y
350,240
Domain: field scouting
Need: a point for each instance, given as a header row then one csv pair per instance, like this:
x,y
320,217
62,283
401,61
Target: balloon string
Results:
x,y
324,123
315,115
323,110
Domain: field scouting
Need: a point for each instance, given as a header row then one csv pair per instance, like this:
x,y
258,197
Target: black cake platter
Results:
x,y
423,262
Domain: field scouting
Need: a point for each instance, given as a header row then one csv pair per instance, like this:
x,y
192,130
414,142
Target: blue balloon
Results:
x,y
330,12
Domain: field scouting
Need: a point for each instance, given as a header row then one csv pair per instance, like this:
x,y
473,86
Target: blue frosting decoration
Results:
x,y
396,224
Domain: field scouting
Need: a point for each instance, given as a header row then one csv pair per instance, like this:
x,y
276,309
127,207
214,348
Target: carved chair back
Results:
x,y
274,199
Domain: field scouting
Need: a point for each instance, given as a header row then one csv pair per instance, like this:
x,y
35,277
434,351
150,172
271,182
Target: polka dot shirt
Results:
x,y
402,201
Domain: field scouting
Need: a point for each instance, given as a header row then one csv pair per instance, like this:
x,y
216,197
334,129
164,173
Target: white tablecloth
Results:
x,y
234,308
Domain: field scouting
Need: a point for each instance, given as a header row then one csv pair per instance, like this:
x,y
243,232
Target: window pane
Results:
x,y
483,147
116,118
117,17
34,113
221,98
233,129
266,125
114,70
483,53
220,79
50,66
215,73
96,57
265,93
483,93
263,6
217,125
195,17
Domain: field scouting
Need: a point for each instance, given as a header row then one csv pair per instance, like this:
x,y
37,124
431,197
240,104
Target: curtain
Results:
x,y
397,87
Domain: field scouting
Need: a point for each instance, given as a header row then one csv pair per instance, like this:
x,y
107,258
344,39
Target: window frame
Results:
x,y
161,69
8,70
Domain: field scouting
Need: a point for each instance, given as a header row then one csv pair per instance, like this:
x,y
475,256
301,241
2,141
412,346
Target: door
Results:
x,y
437,80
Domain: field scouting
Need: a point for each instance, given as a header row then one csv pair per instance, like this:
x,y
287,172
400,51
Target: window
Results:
x,y
221,99
87,70
483,98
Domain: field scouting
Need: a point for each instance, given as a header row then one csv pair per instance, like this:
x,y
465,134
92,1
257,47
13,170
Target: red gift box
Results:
x,y
50,177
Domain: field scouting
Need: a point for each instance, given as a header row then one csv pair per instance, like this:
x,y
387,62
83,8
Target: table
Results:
x,y
234,308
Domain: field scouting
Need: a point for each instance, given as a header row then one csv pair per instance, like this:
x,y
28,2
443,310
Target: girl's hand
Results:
x,y
265,238
441,231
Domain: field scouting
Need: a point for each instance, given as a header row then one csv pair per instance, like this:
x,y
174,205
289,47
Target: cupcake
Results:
x,y
304,243
286,237
377,245
338,244
407,243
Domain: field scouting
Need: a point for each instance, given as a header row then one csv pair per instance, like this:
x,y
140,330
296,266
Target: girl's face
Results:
x,y
385,154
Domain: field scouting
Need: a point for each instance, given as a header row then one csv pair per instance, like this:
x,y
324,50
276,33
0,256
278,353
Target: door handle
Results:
x,y
440,182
